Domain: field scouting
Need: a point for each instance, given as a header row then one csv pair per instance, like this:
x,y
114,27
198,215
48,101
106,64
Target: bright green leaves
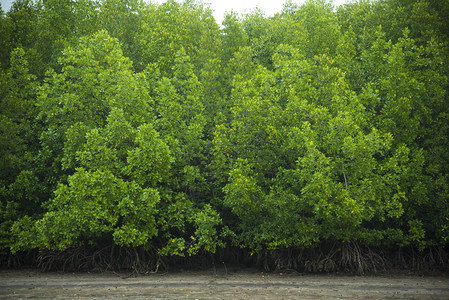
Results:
x,y
128,159
168,27
243,195
154,128
179,104
98,199
139,217
178,216
149,162
123,20
207,235
299,142
402,75
17,112
416,234
404,94
95,203
96,108
95,77
20,188
95,85
234,36
320,27
180,120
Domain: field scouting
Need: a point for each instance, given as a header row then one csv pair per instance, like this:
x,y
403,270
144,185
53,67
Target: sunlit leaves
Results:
x,y
153,127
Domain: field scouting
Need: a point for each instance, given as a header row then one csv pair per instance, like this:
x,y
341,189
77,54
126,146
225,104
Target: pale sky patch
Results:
x,y
6,4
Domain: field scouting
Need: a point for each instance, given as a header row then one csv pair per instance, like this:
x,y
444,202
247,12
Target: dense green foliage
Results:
x,y
137,124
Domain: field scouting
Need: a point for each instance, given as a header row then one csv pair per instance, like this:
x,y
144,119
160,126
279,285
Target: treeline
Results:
x,y
151,128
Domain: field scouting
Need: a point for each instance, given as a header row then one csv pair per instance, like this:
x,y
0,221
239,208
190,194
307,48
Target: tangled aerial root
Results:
x,y
349,258
354,258
109,258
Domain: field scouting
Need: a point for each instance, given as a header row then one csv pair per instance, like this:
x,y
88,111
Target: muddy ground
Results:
x,y
218,284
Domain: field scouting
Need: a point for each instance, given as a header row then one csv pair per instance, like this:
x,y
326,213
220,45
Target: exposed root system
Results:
x,y
109,258
349,258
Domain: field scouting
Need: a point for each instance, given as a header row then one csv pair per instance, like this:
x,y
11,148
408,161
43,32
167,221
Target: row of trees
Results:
x,y
146,125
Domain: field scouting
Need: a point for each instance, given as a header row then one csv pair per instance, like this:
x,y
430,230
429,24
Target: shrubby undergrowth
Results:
x,y
142,136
